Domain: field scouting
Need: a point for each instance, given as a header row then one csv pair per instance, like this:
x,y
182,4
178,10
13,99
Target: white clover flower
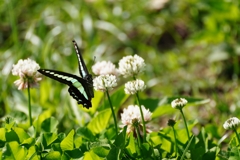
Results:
x,y
105,82
135,86
179,103
132,115
104,68
231,123
131,65
27,71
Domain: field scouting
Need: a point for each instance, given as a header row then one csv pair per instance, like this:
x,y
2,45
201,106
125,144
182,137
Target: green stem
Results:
x,y
185,123
143,122
138,135
113,113
176,143
236,134
29,105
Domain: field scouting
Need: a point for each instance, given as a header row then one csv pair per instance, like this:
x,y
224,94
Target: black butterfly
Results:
x,y
80,88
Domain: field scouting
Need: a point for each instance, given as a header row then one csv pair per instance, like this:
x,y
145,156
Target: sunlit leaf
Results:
x,y
100,121
2,135
91,156
49,125
13,151
53,155
131,148
22,135
49,138
67,142
32,154
100,151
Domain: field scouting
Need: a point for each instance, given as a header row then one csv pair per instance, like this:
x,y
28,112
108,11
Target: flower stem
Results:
x,y
29,105
185,123
143,122
138,135
176,143
113,113
236,134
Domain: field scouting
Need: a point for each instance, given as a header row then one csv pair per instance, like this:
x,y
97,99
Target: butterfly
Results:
x,y
80,88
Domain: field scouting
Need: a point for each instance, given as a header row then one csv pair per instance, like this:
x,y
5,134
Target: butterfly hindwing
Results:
x,y
79,97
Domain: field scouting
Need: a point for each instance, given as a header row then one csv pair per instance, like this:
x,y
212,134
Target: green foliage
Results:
x,y
191,48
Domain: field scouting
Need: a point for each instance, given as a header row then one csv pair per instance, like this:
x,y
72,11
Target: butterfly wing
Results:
x,y
78,87
81,64
83,70
76,94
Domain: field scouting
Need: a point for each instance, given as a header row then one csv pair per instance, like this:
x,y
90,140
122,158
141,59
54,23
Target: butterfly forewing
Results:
x,y
81,64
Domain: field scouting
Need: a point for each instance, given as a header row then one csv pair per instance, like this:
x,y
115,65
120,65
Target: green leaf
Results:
x,y
28,142
85,133
9,123
56,147
146,150
13,151
43,116
78,141
67,143
49,138
32,154
100,122
131,148
151,104
120,139
2,137
155,139
235,154
22,135
53,155
114,153
95,102
186,149
75,153
11,136
91,156
100,151
49,125
197,153
118,145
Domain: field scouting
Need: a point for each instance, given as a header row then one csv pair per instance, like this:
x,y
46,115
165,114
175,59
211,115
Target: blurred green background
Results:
x,y
191,48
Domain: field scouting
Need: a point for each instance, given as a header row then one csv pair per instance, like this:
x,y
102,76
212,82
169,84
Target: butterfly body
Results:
x,y
80,88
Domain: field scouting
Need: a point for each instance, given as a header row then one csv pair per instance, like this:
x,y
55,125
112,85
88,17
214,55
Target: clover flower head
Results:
x,y
104,68
131,65
135,86
171,122
231,123
27,71
104,82
179,103
132,116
